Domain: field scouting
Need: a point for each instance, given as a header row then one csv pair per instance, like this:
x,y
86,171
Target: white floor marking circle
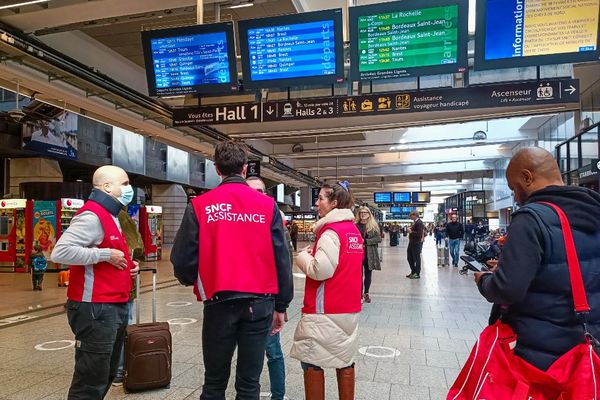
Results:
x,y
179,304
182,321
43,346
380,351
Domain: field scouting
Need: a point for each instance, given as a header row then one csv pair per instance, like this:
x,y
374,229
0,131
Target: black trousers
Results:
x,y
99,330
36,279
413,253
241,323
367,275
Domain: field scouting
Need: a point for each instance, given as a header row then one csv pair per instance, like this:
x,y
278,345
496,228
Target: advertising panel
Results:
x,y
55,138
44,226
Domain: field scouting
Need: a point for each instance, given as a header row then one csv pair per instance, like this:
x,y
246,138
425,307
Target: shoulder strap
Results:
x,y
577,287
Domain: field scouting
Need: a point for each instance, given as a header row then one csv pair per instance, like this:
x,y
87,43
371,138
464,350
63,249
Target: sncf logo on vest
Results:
x,y
223,212
354,244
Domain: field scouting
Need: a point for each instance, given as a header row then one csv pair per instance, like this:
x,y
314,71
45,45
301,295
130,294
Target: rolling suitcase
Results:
x,y
148,354
440,256
446,256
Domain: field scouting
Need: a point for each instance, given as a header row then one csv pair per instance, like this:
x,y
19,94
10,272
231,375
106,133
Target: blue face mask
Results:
x,y
126,195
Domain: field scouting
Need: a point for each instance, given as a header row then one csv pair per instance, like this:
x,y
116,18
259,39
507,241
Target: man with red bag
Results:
x,y
554,235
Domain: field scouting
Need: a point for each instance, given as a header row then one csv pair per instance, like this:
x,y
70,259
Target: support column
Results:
x,y
173,200
33,170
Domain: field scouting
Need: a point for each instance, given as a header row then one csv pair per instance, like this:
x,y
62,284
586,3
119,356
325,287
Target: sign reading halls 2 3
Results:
x,y
475,97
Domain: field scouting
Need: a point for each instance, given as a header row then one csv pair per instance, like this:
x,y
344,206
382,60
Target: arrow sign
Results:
x,y
270,110
570,89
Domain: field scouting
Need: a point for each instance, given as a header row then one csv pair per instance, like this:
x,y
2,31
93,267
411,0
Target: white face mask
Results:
x,y
126,195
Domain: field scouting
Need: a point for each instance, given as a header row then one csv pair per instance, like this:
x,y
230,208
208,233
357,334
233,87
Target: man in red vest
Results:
x,y
101,277
231,247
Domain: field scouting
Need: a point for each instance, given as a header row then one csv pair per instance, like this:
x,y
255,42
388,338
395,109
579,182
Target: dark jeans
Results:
x,y
36,279
129,322
414,256
276,366
367,274
99,330
295,242
244,323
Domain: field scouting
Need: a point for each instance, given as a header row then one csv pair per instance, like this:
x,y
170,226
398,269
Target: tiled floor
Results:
x,y
414,336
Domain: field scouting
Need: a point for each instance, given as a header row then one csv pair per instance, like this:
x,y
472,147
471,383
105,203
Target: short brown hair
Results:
x,y
339,191
230,157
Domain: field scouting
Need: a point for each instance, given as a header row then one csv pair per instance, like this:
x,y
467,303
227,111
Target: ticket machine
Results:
x,y
15,234
151,231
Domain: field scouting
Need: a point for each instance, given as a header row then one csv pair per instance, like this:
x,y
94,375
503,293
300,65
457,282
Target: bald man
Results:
x,y
101,278
532,276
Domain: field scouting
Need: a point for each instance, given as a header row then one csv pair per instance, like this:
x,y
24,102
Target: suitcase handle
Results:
x,y
137,293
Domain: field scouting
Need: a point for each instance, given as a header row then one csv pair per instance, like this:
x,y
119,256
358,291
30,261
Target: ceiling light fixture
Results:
x,y
241,4
23,3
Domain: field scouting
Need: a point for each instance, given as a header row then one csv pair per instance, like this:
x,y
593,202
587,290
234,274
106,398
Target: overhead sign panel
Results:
x,y
476,97
517,33
193,59
408,38
292,50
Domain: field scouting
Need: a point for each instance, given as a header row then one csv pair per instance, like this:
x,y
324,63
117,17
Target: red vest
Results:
x,y
340,294
235,245
102,282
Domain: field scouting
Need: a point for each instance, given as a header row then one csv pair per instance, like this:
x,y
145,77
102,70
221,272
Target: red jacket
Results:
x,y
235,253
102,282
340,294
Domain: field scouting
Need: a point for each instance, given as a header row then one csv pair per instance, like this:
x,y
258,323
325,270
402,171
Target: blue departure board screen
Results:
x,y
292,50
401,197
190,60
382,197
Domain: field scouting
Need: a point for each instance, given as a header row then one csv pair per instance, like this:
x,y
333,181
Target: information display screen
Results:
x,y
292,50
396,210
421,197
401,197
517,33
408,38
382,197
188,60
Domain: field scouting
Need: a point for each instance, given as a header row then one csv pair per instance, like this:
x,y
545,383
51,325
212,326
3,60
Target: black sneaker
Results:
x,y
410,275
415,276
118,381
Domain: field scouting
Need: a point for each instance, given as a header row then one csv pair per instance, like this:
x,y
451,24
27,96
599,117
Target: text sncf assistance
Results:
x,y
222,212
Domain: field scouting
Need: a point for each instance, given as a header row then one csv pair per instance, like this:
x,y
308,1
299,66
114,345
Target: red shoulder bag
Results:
x,y
493,372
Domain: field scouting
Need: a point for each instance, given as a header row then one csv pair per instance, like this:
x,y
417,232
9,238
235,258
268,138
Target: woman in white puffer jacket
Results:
x,y
326,336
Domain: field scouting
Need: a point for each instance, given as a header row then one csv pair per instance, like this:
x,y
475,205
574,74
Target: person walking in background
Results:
x,y
294,235
439,234
455,232
231,247
416,235
38,267
275,361
369,229
101,278
532,276
327,334
480,231
469,231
